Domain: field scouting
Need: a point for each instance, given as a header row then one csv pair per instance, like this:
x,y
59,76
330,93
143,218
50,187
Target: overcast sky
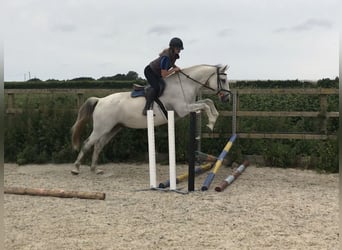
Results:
x,y
258,39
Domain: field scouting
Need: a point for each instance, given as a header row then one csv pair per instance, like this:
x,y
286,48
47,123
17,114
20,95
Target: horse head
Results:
x,y
218,81
211,77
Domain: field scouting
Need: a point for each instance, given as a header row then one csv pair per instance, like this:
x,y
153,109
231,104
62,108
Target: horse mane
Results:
x,y
186,70
201,65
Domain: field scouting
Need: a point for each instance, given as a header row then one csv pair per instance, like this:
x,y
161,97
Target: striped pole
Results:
x,y
207,157
172,150
229,180
151,149
199,170
218,163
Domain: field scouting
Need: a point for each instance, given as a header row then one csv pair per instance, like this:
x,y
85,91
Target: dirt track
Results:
x,y
265,208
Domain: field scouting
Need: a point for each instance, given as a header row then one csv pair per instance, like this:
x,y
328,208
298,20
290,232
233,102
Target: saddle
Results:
x,y
138,86
139,91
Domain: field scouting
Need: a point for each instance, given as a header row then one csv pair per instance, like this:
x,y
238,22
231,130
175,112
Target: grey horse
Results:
x,y
113,112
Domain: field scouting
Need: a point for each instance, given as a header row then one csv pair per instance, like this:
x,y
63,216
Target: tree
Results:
x,y
83,79
132,75
34,80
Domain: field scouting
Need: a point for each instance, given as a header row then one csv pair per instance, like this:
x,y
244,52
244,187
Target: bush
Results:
x,y
44,136
326,157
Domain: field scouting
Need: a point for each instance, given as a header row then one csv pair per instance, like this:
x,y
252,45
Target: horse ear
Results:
x,y
223,68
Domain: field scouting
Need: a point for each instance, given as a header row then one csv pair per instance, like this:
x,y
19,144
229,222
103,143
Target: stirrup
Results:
x,y
138,86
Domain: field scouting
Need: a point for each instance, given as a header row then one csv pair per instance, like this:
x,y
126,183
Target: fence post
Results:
x,y
237,108
234,112
10,101
323,114
80,99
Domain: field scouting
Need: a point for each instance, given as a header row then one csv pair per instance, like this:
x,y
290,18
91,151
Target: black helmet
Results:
x,y
176,43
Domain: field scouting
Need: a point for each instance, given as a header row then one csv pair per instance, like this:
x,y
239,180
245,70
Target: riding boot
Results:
x,y
149,95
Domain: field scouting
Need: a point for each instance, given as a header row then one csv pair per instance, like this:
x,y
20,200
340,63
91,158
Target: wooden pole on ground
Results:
x,y
55,193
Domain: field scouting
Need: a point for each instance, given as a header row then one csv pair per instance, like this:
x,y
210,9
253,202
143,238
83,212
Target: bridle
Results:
x,y
206,84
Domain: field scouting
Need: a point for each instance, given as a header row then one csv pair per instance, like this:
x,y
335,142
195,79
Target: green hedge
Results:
x,y
86,82
70,84
44,136
323,83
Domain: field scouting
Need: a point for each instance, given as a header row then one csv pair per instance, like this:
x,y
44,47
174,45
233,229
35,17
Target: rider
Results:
x,y
160,68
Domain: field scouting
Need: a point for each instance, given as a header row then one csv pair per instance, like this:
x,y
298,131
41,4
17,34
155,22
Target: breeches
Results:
x,y
156,82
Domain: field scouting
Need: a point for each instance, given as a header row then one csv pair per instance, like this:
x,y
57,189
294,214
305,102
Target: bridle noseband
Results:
x,y
206,84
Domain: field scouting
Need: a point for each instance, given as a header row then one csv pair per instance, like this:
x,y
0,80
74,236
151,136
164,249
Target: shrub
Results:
x,y
44,135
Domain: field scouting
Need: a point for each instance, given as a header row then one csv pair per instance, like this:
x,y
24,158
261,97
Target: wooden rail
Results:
x,y
236,114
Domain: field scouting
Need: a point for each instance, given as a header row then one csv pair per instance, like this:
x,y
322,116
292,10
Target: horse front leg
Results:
x,y
202,105
211,104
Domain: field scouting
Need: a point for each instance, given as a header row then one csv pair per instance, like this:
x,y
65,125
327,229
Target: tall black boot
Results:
x,y
149,95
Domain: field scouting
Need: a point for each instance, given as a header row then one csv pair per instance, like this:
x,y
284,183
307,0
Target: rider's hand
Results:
x,y
176,69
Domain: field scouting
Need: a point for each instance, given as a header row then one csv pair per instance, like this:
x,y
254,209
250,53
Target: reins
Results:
x,y
200,83
219,86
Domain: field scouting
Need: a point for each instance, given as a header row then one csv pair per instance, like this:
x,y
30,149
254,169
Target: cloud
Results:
x,y
160,30
306,26
225,32
119,32
64,27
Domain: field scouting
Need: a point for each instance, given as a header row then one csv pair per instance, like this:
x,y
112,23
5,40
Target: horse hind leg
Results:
x,y
99,146
88,143
97,149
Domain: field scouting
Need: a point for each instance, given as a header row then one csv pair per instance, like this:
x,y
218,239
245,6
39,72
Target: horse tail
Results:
x,y
84,114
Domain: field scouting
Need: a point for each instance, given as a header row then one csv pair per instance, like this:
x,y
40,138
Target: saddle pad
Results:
x,y
137,93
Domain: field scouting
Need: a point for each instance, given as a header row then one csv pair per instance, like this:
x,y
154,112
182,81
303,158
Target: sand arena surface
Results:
x,y
265,208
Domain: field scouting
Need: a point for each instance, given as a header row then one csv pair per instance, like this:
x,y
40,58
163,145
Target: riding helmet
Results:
x,y
176,43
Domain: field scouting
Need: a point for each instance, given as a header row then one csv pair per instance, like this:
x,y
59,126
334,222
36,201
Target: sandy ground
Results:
x,y
265,208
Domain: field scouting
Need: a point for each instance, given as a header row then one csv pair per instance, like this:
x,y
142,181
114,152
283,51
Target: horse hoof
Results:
x,y
75,172
99,171
210,126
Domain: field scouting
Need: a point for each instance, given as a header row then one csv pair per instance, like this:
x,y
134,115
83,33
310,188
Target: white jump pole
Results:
x,y
151,149
172,150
